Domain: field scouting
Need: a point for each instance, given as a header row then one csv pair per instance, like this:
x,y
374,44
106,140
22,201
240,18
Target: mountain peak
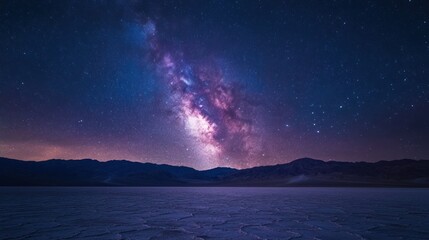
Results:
x,y
307,161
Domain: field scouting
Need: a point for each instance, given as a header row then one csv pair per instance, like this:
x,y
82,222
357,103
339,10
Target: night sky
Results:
x,y
214,83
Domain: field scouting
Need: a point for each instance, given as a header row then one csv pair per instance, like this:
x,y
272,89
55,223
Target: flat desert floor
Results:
x,y
213,213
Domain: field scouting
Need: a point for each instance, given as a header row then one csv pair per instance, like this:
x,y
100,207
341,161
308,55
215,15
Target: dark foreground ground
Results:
x,y
213,213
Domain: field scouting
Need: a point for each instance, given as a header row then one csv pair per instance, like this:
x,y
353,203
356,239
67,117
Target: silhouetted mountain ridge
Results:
x,y
301,172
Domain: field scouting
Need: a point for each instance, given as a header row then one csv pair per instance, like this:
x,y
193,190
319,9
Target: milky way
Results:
x,y
213,110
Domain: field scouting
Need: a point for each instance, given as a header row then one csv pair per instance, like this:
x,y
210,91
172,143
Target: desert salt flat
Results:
x,y
213,213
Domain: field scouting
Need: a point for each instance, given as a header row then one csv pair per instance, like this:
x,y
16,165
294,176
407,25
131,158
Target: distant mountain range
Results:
x,y
301,172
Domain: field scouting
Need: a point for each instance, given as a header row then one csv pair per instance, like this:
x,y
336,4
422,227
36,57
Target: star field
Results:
x,y
214,83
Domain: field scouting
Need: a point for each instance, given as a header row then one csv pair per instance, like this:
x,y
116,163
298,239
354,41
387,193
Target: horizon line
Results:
x,y
134,161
